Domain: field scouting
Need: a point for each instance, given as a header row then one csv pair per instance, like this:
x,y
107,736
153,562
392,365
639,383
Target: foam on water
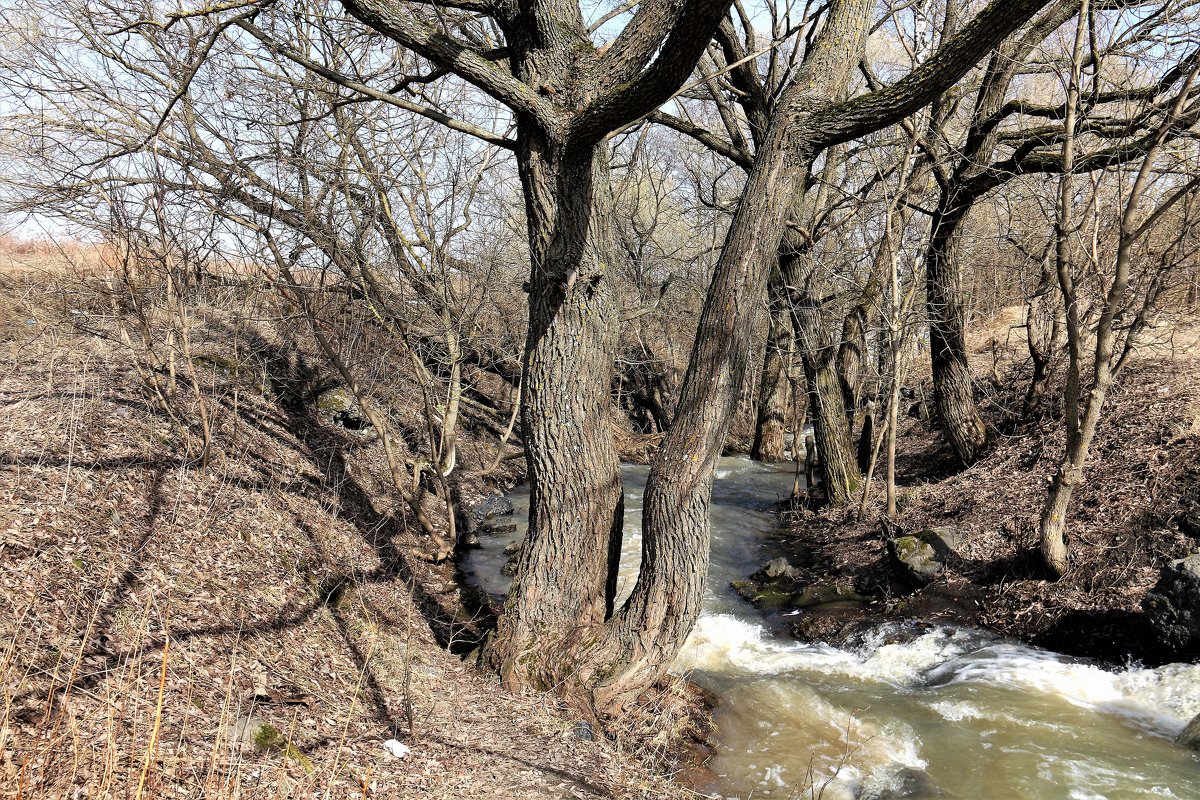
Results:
x,y
906,711
725,643
1159,700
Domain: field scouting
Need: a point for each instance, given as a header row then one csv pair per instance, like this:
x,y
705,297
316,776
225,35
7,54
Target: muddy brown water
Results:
x,y
932,712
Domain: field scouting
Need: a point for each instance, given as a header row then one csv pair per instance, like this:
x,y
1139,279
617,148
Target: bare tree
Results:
x,y
1113,323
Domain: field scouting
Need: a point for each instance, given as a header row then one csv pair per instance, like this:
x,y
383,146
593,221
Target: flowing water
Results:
x,y
919,713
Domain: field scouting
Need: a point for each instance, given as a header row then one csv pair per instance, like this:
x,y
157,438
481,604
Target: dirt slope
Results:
x,y
156,618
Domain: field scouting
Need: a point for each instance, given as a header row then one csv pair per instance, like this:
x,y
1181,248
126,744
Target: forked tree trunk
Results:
x,y
775,387
1045,338
667,598
666,601
840,477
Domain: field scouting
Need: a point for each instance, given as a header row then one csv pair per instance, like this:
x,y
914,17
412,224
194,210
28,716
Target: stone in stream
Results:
x,y
513,551
492,507
1189,737
909,782
1173,606
922,557
771,586
781,568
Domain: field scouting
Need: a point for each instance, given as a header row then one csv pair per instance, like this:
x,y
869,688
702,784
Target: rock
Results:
x,y
761,595
923,556
265,737
1189,737
491,508
909,782
583,731
241,732
771,586
781,568
1173,606
816,628
493,528
513,548
340,407
824,595
1189,520
220,364
917,559
514,558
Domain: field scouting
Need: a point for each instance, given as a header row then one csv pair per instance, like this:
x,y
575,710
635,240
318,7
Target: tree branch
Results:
x,y
349,83
397,23
870,112
629,92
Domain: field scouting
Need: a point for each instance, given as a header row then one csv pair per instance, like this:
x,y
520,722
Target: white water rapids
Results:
x,y
923,713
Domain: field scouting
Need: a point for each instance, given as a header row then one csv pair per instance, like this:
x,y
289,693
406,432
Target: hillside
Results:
x,y
1127,519
255,627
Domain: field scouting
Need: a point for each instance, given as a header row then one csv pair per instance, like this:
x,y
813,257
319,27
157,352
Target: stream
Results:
x,y
922,713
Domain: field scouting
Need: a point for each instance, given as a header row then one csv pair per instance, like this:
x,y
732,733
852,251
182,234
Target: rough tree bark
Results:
x,y
567,96
775,386
953,386
816,334
648,631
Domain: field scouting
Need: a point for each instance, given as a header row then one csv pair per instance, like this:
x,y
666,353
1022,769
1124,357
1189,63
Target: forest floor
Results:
x,y
256,627
1142,476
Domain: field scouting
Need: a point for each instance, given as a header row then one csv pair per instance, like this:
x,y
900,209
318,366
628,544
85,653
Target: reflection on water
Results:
x,y
929,713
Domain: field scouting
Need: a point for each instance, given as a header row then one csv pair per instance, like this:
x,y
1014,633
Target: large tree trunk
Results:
x,y
566,579
649,630
953,387
775,386
666,601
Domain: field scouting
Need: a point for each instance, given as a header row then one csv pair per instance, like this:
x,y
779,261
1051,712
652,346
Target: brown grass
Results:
x,y
1122,525
150,607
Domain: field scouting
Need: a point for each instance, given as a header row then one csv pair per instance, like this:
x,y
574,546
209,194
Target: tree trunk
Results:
x,y
566,579
1045,332
826,401
1053,521
852,353
774,388
953,387
666,601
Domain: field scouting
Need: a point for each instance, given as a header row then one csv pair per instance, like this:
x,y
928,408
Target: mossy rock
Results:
x,y
339,405
222,365
923,556
917,558
825,595
267,738
762,595
337,399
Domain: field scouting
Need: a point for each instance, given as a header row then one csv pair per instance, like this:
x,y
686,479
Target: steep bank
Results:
x,y
259,626
1128,518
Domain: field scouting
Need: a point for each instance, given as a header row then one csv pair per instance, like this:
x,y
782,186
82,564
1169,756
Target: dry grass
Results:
x,y
150,608
1143,465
